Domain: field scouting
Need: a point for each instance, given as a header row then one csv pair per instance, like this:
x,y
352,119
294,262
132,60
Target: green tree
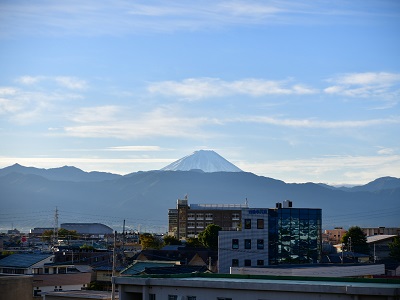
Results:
x,y
193,243
355,240
171,240
395,248
62,234
67,234
149,241
209,237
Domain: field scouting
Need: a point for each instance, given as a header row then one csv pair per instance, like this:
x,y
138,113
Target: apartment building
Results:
x,y
186,221
334,236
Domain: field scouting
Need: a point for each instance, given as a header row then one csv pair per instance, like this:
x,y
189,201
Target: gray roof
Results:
x,y
22,260
380,237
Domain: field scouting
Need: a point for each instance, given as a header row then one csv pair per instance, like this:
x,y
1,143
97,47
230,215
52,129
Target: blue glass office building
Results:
x,y
294,235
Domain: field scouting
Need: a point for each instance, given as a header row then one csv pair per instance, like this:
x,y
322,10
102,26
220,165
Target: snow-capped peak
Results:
x,y
205,160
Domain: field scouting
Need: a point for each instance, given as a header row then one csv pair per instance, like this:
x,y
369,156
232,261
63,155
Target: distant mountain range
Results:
x,y
144,197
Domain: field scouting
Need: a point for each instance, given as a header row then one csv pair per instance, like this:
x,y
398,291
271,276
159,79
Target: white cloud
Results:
x,y
369,84
199,88
27,104
312,123
330,169
115,122
71,82
118,17
134,148
97,114
29,80
7,91
386,151
368,78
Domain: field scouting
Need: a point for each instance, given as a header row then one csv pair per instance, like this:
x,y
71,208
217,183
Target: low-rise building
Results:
x,y
381,231
379,246
92,229
46,275
205,286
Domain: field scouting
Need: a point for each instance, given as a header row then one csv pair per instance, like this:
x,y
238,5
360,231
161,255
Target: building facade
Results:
x,y
334,236
229,287
381,230
186,221
282,235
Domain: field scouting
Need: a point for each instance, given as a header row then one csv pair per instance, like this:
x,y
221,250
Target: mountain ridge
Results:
x,y
146,196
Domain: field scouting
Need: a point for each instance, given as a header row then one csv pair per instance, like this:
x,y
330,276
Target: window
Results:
x,y
247,223
260,223
260,262
209,216
235,263
247,263
152,296
191,297
223,298
235,244
260,244
247,244
199,216
172,297
235,216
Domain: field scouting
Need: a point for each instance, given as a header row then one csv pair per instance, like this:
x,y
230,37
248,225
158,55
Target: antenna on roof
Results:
x,y
246,202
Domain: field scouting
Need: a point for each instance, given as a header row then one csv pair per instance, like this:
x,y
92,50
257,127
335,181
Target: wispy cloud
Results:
x,y
313,123
350,169
92,17
134,148
199,88
118,123
383,85
69,82
31,102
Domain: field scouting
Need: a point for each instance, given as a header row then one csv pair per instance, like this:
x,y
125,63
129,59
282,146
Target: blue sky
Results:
x,y
294,90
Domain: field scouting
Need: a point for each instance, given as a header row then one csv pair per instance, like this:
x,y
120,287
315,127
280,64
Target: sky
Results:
x,y
301,91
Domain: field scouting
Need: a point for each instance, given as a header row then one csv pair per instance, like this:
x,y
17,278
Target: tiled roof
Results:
x,y
22,260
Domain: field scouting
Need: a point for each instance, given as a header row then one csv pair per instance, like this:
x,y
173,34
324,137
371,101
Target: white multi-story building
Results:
x,y
272,236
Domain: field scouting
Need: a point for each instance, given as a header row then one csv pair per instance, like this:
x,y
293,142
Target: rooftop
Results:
x,y
218,206
352,286
22,260
380,237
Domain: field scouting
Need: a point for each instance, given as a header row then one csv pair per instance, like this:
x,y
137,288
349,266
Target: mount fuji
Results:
x,y
205,160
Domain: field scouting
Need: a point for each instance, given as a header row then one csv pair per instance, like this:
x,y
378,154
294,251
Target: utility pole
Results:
x,y
123,239
113,268
55,233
